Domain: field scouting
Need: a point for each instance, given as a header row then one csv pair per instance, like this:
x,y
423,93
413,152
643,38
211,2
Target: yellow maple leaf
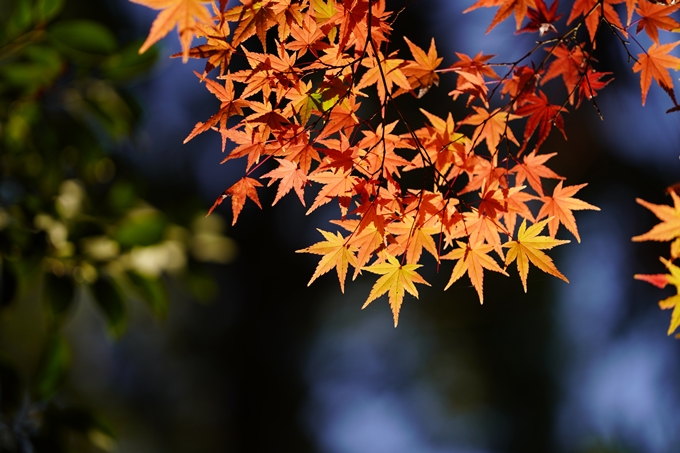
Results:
x,y
527,248
473,260
336,254
661,280
669,228
396,278
182,13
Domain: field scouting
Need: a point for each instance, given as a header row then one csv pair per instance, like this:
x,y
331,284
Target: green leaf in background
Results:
x,y
144,227
38,68
52,368
58,293
153,291
44,10
128,63
110,108
108,298
19,20
8,284
82,38
122,196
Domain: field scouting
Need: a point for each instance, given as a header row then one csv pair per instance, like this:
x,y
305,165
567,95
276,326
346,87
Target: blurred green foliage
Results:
x,y
73,227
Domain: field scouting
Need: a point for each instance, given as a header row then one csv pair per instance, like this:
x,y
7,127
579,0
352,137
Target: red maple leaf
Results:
x,y
541,19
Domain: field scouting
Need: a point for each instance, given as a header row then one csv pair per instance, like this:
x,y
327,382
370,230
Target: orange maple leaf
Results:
x,y
592,10
669,228
253,17
244,187
397,280
421,72
491,126
182,13
559,207
367,241
473,260
527,248
653,65
308,36
411,238
520,8
291,178
228,107
653,17
532,170
336,184
337,254
216,50
574,65
384,73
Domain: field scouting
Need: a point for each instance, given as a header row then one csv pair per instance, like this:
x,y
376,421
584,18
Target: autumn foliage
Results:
x,y
317,110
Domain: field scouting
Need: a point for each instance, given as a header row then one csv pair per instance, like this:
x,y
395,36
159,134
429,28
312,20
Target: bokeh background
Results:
x,y
216,344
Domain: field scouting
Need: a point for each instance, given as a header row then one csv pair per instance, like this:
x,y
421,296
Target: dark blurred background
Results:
x,y
212,341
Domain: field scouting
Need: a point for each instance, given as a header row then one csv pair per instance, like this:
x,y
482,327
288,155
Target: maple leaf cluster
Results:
x,y
317,105
666,231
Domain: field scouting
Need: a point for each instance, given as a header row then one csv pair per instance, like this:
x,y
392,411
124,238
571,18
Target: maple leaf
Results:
x,y
216,50
228,107
630,8
472,84
367,241
251,143
397,280
253,18
542,115
514,200
411,238
520,8
483,228
337,254
541,19
473,260
653,17
527,248
532,170
384,73
592,10
421,72
574,67
523,82
307,37
182,13
291,178
661,280
559,207
244,187
653,64
336,184
471,72
324,12
590,83
491,126
669,228
476,65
